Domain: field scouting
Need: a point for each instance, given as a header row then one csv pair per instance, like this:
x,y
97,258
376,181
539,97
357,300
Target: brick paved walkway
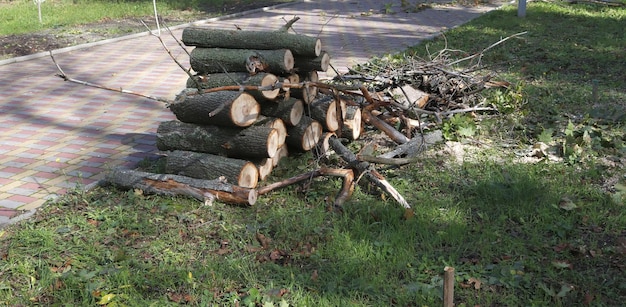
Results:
x,y
57,134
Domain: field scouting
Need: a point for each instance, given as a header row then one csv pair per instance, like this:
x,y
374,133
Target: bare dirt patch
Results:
x,y
61,37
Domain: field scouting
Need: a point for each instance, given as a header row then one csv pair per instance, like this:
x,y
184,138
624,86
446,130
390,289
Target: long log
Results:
x,y
308,92
364,168
265,80
223,108
207,166
252,142
210,38
217,60
390,131
324,109
289,110
352,124
305,135
319,63
174,185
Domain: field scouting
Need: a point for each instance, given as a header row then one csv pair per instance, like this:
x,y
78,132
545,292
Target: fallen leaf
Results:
x,y
562,264
409,214
588,299
561,247
314,275
567,204
476,282
106,299
263,240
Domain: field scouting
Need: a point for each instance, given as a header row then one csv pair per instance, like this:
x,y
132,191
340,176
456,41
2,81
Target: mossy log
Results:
x,y
174,185
252,142
207,81
289,110
207,166
218,60
305,135
223,108
235,39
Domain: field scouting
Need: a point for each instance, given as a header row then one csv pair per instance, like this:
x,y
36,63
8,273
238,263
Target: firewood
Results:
x,y
281,153
210,38
224,108
409,97
322,149
207,166
173,185
252,142
265,167
308,92
324,110
390,131
216,60
207,81
277,124
304,135
319,63
289,110
352,124
370,173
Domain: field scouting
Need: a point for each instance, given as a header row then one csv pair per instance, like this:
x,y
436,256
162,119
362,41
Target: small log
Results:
x,y
371,174
290,110
282,152
216,60
206,166
223,108
277,124
390,131
174,185
347,187
252,142
322,149
324,109
215,38
352,124
207,81
265,167
319,63
308,92
305,135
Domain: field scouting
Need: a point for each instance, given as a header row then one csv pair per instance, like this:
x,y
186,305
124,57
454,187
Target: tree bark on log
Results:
x,y
252,142
324,110
223,108
322,149
282,152
216,60
207,166
265,167
238,78
390,131
364,168
215,38
174,185
319,63
415,146
352,124
290,111
308,92
305,135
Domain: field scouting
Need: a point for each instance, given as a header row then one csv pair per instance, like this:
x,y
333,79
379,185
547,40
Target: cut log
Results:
x,y
390,131
352,124
290,110
215,38
252,142
174,185
223,108
281,153
216,60
277,124
305,135
322,149
207,81
324,109
364,168
206,166
265,167
319,63
308,92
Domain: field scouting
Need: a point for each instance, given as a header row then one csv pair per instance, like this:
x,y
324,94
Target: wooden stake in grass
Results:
x,y
448,286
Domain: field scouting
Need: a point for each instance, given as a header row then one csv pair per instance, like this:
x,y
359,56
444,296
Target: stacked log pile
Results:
x,y
238,114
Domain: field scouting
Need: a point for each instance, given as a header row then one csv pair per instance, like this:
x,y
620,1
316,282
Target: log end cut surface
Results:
x,y
245,110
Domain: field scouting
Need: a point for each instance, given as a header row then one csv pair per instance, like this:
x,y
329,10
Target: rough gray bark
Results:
x,y
207,166
217,60
223,108
290,110
238,78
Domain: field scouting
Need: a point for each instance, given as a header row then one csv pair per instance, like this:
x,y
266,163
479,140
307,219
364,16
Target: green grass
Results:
x,y
21,16
543,233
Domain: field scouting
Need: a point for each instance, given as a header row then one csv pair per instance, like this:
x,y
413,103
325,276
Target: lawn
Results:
x,y
544,232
